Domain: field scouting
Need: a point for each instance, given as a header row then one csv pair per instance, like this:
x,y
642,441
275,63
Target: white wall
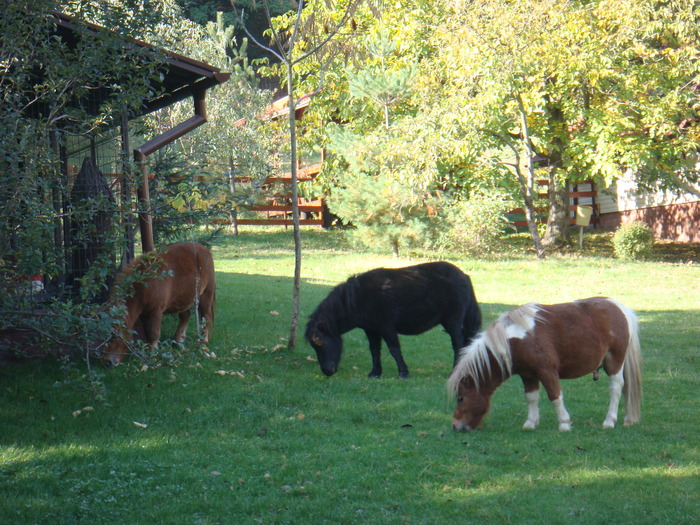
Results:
x,y
624,196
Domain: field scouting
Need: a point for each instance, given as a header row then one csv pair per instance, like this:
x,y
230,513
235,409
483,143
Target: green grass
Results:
x,y
269,439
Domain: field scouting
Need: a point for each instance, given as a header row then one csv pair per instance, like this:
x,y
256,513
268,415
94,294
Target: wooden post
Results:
x,y
145,219
127,219
140,154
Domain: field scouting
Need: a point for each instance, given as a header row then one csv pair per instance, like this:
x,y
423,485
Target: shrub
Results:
x,y
633,241
474,226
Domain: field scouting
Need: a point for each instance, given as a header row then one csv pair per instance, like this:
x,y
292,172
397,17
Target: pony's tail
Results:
x,y
633,371
471,324
213,310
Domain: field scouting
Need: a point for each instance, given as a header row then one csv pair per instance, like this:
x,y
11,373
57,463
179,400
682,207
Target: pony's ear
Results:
x,y
318,333
316,340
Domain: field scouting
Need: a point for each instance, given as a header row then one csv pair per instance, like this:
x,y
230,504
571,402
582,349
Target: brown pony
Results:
x,y
546,343
168,282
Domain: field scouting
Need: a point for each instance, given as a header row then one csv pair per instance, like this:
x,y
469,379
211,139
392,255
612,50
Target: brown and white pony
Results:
x,y
167,282
546,343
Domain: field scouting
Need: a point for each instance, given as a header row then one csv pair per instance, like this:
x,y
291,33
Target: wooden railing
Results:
x,y
275,212
574,195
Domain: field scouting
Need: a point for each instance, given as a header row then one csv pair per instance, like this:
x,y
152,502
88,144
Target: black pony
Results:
x,y
386,302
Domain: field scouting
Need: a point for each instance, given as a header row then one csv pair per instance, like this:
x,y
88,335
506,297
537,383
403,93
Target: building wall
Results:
x,y
675,222
670,215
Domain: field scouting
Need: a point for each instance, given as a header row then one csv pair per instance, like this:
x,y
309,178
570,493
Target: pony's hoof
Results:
x,y
403,376
374,375
564,427
530,425
609,423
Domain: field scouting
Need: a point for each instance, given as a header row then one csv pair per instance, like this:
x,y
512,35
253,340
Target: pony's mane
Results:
x,y
337,304
474,360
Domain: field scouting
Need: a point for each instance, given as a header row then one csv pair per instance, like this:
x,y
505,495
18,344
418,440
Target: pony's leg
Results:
x,y
551,384
392,341
182,326
562,414
617,381
454,328
151,327
206,311
375,348
532,395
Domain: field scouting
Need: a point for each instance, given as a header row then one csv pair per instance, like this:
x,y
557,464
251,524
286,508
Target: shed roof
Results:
x,y
183,76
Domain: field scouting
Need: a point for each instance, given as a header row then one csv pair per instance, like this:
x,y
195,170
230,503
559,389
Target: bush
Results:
x,y
475,226
633,241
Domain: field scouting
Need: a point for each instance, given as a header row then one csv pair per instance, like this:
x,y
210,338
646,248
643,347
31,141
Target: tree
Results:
x,y
376,81
601,86
388,182
293,45
380,193
654,114
505,90
385,174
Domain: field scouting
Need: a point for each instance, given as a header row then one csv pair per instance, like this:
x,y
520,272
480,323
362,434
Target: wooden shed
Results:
x,y
112,153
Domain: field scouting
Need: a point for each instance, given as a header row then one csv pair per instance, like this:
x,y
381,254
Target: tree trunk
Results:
x,y
286,56
531,218
557,233
527,184
233,213
295,209
395,247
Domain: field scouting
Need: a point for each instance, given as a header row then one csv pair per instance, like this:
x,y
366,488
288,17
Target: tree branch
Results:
x,y
257,42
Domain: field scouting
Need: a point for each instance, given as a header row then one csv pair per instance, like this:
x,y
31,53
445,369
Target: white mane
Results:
x,y
474,359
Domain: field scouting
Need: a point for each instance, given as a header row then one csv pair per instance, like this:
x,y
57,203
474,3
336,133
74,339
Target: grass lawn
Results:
x,y
248,432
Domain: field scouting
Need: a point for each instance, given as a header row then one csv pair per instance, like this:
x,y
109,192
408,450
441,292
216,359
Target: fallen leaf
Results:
x,y
274,312
140,425
76,413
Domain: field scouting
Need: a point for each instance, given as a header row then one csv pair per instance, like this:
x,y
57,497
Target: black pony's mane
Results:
x,y
339,304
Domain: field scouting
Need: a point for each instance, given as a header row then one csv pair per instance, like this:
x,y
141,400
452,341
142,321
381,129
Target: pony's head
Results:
x,y
328,346
115,351
485,364
472,405
116,347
